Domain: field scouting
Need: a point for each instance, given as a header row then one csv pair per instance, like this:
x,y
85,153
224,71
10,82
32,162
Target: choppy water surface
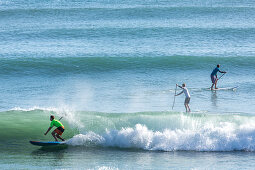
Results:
x,y
110,69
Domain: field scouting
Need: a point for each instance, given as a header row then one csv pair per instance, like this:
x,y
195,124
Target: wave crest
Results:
x,y
225,137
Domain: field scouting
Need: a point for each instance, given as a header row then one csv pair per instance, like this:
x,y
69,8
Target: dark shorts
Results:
x,y
59,130
213,78
187,100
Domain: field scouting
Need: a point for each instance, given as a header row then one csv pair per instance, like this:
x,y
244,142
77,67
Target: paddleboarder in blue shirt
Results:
x,y
214,77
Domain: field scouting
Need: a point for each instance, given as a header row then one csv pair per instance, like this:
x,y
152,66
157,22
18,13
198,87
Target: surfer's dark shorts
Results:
x,y
60,130
187,100
213,78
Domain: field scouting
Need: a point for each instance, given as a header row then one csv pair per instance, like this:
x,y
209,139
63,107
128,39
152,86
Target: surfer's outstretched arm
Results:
x,y
47,131
179,94
222,71
179,86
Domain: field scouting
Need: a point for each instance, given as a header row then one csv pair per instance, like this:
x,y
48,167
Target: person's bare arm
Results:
x,y
47,131
179,94
179,86
222,71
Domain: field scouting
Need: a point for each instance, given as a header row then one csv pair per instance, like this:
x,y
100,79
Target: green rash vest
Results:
x,y
56,123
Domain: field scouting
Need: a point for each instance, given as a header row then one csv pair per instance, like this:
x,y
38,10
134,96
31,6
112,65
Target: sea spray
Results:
x,y
222,138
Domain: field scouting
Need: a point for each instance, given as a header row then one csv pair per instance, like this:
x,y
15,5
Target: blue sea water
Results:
x,y
109,68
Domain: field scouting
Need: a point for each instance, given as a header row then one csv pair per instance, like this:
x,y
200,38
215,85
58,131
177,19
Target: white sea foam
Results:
x,y
34,108
105,168
224,137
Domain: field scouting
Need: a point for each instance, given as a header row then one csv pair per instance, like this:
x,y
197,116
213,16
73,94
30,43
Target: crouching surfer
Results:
x,y
58,131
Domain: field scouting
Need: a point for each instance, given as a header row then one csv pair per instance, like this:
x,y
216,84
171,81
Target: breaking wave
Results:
x,y
157,131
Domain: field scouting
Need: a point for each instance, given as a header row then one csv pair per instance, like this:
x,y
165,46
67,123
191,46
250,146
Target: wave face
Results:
x,y
24,125
163,131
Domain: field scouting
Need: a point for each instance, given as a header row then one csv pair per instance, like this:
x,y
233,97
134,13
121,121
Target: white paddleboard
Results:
x,y
224,88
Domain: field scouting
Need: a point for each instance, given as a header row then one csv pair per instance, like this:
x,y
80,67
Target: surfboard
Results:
x,y
224,88
38,143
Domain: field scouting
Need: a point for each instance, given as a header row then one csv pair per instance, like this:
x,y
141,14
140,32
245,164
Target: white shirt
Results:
x,y
186,92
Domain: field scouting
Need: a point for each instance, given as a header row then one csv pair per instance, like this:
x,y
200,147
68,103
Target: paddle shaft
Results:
x,y
221,75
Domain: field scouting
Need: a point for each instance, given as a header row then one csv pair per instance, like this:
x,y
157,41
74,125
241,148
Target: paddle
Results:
x,y
174,96
221,76
65,115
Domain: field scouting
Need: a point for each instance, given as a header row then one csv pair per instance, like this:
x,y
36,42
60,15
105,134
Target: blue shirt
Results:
x,y
214,72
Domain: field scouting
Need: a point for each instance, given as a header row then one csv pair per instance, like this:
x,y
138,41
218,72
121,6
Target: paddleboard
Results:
x,y
38,143
224,88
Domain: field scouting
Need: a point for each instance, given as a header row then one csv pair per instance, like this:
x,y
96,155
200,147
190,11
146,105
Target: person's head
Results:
x,y
183,85
52,117
218,66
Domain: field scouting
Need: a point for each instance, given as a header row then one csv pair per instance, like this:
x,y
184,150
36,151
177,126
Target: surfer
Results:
x,y
187,99
58,131
214,77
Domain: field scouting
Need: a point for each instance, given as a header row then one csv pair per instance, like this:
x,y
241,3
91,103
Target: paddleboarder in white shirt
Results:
x,y
187,99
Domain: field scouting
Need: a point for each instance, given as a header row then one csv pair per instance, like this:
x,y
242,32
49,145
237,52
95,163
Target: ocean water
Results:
x,y
109,68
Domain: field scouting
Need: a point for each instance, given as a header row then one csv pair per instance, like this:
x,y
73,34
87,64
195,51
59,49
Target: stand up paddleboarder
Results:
x,y
214,77
187,99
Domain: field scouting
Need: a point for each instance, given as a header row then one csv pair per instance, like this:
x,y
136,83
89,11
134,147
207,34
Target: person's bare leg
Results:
x,y
58,136
188,107
212,86
215,83
54,136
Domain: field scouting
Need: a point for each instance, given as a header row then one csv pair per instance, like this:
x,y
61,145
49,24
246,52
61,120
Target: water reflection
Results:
x,y
214,98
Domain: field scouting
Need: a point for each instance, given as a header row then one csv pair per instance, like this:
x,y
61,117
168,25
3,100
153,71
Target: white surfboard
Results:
x,y
224,88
